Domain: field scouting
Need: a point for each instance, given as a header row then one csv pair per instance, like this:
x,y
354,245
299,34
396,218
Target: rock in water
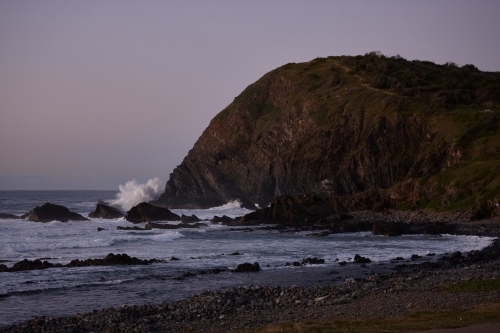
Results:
x,y
50,212
313,261
247,267
190,219
145,212
224,219
103,211
361,260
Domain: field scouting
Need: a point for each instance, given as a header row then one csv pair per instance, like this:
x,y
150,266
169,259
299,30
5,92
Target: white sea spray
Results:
x,y
133,193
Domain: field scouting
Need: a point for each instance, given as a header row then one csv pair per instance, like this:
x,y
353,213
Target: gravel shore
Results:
x,y
410,286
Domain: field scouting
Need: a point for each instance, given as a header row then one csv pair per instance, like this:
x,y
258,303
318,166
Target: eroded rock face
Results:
x,y
145,212
103,211
312,209
317,128
264,145
51,212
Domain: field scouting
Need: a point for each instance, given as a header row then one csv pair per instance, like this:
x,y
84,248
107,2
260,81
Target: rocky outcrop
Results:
x,y
134,228
190,219
152,225
339,126
103,211
110,259
309,209
145,212
247,267
50,212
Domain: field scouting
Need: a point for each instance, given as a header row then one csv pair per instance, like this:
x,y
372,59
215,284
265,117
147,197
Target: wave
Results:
x,y
229,205
37,290
31,245
133,193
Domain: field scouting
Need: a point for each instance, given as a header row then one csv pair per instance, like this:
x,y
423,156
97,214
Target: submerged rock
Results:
x,y
130,228
152,225
112,259
103,211
50,212
145,212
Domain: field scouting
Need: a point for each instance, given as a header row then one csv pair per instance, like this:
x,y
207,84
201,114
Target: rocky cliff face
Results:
x,y
342,125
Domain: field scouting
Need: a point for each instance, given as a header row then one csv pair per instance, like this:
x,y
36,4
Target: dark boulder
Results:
x,y
28,265
247,267
313,261
190,219
262,215
130,228
145,212
301,209
50,212
103,211
152,225
361,260
112,259
222,219
6,216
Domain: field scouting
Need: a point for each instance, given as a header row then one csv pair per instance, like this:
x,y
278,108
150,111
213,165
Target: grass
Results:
x,y
474,285
417,321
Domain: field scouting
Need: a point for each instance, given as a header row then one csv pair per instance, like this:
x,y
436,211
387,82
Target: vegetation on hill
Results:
x,y
342,125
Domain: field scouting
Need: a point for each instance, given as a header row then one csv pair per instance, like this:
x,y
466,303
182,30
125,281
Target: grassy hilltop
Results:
x,y
426,134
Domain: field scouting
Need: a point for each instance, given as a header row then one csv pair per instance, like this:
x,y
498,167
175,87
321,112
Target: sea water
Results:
x,y
66,291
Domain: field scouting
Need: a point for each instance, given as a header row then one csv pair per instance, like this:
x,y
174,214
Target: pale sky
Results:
x,y
95,93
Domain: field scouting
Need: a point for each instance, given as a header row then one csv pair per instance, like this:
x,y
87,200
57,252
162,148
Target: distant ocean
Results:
x,y
64,291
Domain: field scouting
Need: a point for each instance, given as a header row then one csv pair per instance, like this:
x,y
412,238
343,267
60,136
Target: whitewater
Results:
x,y
66,291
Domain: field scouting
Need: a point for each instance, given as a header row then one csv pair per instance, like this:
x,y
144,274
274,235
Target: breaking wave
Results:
x,y
133,193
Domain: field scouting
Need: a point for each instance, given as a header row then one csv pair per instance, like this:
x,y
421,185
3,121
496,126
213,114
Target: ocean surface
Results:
x,y
66,291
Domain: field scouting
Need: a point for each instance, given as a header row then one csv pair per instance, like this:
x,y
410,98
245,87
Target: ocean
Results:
x,y
67,291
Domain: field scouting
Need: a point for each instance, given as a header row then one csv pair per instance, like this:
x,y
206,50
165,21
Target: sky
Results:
x,y
96,93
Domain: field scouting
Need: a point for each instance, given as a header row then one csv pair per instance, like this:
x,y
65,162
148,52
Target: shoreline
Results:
x,y
409,287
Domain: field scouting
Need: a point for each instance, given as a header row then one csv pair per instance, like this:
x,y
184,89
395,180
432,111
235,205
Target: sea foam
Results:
x,y
133,193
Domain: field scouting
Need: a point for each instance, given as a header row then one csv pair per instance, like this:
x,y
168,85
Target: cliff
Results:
x,y
424,134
